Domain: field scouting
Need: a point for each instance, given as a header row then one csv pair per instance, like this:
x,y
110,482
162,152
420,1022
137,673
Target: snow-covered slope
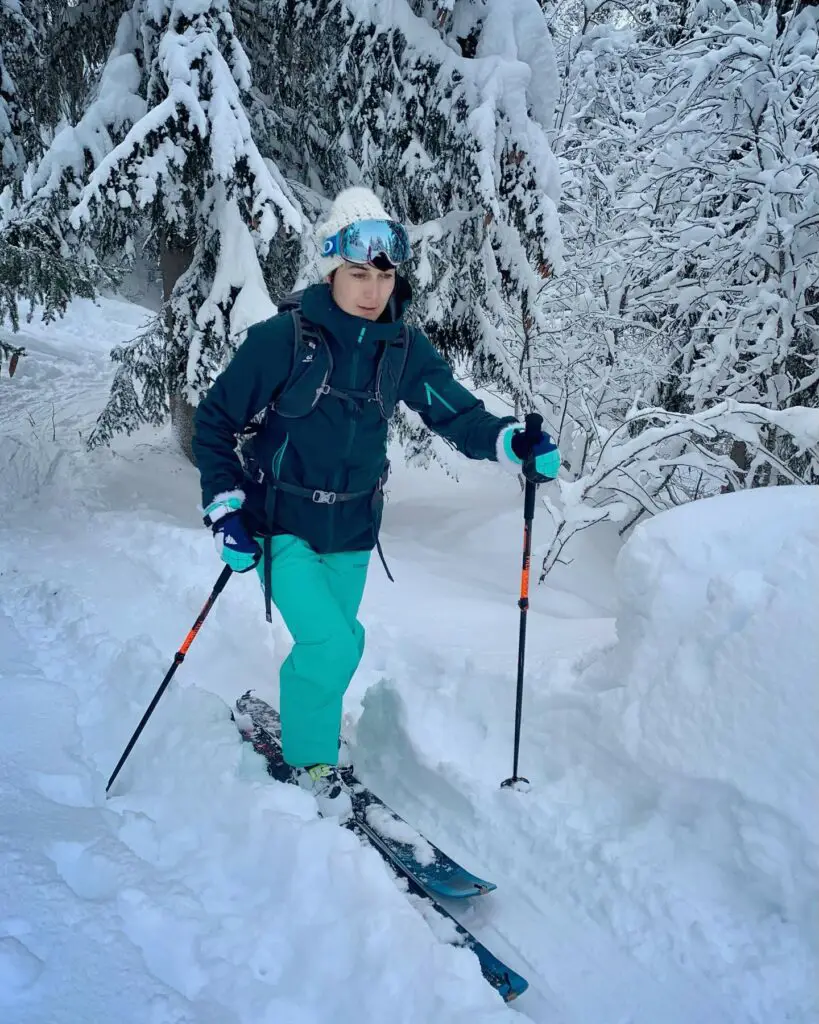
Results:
x,y
637,883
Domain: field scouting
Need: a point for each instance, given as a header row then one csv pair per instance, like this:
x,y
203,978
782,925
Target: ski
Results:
x,y
434,871
264,735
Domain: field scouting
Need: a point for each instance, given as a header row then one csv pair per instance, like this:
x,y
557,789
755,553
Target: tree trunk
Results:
x,y
739,456
174,260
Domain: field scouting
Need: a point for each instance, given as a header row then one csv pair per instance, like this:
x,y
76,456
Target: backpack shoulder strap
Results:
x,y
298,333
298,339
392,363
407,336
308,334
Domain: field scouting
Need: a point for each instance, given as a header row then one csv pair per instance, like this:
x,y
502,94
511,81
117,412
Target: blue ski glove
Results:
x,y
513,451
233,543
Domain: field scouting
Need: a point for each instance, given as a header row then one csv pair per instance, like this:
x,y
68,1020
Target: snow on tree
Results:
x,y
78,38
443,108
655,459
165,138
18,49
54,51
625,320
16,43
595,352
723,221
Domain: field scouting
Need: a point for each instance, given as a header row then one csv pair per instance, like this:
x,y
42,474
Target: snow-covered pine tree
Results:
x,y
443,107
27,106
77,38
18,54
63,50
165,138
17,45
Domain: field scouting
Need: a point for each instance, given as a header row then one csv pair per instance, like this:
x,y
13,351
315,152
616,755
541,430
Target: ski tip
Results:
x,y
503,979
512,986
485,887
457,888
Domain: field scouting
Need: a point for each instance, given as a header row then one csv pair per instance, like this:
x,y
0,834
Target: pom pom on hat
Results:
x,y
349,206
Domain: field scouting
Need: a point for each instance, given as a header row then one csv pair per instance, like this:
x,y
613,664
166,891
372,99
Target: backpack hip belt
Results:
x,y
320,497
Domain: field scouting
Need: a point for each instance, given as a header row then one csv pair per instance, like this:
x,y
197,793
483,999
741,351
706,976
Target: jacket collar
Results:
x,y
318,305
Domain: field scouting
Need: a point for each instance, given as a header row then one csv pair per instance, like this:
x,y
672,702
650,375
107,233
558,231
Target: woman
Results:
x,y
320,381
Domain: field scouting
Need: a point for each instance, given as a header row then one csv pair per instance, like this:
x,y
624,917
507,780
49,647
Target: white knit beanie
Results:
x,y
349,206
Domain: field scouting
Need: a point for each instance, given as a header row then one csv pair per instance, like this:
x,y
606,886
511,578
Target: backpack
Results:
x,y
304,388
312,368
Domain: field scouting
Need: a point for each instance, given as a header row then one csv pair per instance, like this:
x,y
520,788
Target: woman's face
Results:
x,y
362,291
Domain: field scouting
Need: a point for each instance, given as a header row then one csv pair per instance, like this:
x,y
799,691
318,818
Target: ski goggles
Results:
x,y
366,240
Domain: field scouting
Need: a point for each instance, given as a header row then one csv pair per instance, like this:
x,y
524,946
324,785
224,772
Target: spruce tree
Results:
x,y
165,139
18,52
443,108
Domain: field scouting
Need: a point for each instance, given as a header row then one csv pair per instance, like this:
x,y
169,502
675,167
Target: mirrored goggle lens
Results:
x,y
365,240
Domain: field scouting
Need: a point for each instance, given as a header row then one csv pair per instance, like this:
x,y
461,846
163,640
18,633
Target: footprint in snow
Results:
x,y
68,790
19,969
89,875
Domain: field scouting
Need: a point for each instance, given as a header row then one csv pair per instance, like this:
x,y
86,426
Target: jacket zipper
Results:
x,y
351,434
353,382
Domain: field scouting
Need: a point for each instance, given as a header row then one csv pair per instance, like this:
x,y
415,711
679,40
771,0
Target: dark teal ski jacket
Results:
x,y
339,446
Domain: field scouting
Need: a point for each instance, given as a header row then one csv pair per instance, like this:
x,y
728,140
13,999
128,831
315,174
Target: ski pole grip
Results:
x,y
534,426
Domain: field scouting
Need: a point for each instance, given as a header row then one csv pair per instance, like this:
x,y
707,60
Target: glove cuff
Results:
x,y
507,459
222,505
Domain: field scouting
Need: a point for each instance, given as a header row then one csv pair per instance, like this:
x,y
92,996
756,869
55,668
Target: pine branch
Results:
x,y
140,392
615,486
43,278
12,353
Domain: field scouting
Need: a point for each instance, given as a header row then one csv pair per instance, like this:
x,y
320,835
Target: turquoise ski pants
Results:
x,y
318,597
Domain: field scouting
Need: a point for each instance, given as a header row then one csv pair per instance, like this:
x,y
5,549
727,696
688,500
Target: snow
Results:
x,y
237,274
117,105
727,585
662,868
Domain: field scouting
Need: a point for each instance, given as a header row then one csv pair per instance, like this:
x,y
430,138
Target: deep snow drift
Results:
x,y
719,647
662,869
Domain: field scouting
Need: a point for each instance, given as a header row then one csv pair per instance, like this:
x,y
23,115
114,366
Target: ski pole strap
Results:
x,y
267,572
384,561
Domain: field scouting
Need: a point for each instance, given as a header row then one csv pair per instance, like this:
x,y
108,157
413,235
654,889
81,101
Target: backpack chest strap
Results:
x,y
353,398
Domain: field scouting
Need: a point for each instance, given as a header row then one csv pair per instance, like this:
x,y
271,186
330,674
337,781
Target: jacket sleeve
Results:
x,y
248,384
429,388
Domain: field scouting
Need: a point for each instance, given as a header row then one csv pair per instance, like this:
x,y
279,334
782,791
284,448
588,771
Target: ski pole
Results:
x,y
179,657
533,423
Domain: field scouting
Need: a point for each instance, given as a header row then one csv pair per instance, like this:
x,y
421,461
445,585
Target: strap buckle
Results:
x,y
324,497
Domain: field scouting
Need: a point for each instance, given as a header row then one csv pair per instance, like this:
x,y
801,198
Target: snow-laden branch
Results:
x,y
623,474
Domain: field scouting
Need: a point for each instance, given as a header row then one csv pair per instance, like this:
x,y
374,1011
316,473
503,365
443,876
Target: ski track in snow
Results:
x,y
192,882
